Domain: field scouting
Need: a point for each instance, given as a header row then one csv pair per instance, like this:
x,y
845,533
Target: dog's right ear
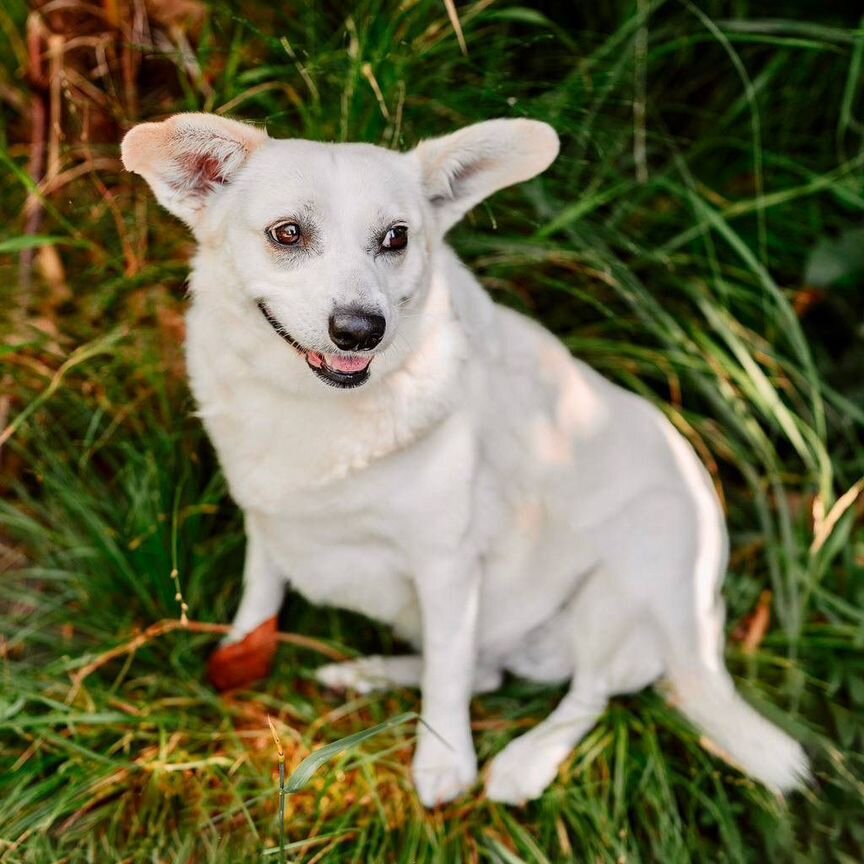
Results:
x,y
188,157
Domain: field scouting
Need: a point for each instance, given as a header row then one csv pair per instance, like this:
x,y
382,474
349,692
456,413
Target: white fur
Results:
x,y
497,502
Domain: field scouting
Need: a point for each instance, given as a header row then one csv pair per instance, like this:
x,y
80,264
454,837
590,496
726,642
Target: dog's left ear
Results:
x,y
188,158
462,169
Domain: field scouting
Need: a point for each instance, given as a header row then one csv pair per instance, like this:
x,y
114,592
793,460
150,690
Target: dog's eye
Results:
x,y
285,233
395,239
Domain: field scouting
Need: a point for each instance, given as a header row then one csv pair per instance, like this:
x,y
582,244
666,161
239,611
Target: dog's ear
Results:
x,y
186,158
462,169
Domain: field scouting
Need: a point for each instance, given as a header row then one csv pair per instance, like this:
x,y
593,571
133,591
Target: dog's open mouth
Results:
x,y
337,370
340,370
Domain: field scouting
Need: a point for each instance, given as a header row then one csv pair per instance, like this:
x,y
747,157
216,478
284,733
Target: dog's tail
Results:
x,y
751,742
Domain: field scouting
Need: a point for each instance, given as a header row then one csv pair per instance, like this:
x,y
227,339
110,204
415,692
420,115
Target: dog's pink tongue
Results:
x,y
339,363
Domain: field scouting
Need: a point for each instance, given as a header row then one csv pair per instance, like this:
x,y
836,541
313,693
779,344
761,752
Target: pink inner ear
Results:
x,y
198,174
210,170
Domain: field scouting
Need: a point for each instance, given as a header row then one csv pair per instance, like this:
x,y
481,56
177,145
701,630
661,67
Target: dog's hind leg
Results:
x,y
368,674
668,553
614,651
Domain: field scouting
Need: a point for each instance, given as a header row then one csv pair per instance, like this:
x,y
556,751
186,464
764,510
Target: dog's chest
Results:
x,y
356,540
273,453
339,553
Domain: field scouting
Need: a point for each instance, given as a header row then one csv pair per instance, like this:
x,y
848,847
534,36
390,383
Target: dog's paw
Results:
x,y
521,771
240,663
442,772
350,675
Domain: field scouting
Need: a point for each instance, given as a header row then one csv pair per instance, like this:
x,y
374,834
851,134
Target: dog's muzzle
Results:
x,y
337,370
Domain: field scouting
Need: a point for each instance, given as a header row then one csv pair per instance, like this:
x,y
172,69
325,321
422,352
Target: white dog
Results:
x,y
403,447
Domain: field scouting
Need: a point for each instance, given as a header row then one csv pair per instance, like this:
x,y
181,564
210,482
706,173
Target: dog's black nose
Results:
x,y
356,330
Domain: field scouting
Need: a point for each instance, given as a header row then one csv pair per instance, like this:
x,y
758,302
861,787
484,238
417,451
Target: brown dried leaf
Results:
x,y
756,625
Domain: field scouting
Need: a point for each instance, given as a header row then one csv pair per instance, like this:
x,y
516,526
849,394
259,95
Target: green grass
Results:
x,y
703,249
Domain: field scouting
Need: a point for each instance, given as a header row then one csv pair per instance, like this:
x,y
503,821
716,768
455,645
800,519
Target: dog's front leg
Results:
x,y
445,764
246,654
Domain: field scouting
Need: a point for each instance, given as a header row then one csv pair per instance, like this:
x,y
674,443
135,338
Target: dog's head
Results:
x,y
330,243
